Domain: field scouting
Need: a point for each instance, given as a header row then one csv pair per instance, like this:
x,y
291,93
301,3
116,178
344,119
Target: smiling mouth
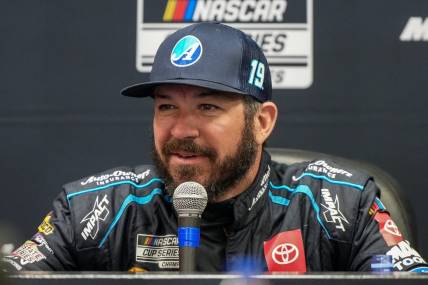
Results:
x,y
186,155
186,158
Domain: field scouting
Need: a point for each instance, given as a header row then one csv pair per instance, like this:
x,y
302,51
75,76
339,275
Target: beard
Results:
x,y
225,173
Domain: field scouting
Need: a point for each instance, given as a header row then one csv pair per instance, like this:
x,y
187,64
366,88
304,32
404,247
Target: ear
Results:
x,y
265,120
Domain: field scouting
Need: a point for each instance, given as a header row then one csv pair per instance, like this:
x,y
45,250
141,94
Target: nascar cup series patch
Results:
x,y
158,249
187,51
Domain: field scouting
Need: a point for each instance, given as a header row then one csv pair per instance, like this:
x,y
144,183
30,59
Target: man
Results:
x,y
211,88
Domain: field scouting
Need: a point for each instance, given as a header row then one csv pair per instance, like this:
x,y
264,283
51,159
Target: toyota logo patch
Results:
x,y
285,252
389,230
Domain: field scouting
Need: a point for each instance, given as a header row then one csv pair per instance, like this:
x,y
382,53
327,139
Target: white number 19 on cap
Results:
x,y
257,74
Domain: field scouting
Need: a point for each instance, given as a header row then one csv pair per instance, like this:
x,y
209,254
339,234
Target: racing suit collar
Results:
x,y
249,203
239,211
220,213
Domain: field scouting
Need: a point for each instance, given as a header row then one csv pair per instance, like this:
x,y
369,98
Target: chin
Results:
x,y
199,180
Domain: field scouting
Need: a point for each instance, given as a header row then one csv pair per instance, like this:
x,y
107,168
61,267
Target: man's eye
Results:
x,y
166,107
209,107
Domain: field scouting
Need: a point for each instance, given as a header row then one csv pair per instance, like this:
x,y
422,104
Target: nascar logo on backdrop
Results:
x,y
283,28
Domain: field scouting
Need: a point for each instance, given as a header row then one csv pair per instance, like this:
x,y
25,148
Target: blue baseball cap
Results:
x,y
210,55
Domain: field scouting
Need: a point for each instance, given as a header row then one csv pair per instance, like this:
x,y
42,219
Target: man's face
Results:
x,y
201,135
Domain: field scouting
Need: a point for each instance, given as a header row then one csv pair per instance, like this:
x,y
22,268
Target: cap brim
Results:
x,y
146,89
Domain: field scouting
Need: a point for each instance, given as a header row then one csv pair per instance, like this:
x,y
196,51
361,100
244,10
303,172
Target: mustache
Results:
x,y
187,145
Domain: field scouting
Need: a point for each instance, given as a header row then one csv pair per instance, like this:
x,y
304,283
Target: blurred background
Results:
x,y
350,79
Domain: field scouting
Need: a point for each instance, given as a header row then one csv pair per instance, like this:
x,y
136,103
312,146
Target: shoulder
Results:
x,y
336,193
322,173
111,177
97,201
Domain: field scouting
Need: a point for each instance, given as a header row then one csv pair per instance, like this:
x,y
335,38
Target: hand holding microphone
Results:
x,y
189,200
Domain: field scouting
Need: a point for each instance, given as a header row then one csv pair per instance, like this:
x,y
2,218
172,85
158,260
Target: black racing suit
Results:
x,y
312,216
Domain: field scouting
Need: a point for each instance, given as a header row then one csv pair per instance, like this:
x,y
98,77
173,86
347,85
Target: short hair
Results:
x,y
251,107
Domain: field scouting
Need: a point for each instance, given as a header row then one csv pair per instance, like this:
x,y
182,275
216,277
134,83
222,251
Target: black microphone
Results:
x,y
190,200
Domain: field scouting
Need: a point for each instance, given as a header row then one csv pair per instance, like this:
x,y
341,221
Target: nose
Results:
x,y
186,126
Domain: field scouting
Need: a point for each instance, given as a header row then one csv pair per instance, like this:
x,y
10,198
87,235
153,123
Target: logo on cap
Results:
x,y
187,51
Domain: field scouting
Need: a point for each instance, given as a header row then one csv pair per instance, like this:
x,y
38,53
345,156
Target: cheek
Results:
x,y
225,137
159,135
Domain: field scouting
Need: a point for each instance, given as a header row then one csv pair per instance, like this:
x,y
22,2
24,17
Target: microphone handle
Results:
x,y
189,237
187,259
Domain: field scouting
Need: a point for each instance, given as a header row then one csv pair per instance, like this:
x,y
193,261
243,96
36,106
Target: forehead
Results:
x,y
172,89
175,90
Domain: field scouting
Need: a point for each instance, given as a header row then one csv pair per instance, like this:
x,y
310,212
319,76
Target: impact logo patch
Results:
x,y
92,219
161,250
332,213
187,51
285,252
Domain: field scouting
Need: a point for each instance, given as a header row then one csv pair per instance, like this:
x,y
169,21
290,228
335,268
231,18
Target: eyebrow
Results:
x,y
209,93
